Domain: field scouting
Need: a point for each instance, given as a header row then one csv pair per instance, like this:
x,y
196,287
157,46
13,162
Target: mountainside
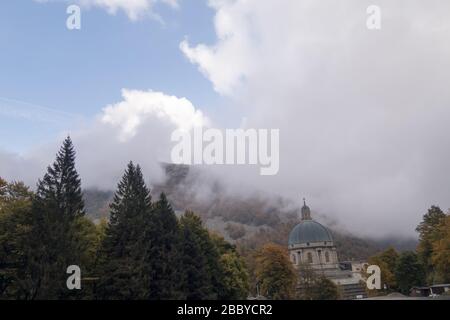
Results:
x,y
248,220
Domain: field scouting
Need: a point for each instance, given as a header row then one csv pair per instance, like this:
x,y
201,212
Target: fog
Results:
x,y
363,114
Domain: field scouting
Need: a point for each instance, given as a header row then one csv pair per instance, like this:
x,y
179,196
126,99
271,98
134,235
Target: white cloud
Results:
x,y
138,106
138,128
362,114
229,61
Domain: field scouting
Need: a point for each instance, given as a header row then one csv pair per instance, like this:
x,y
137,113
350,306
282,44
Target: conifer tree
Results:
x,y
162,258
123,268
57,204
200,260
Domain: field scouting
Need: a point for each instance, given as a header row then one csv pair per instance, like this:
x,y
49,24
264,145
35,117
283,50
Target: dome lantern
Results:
x,y
306,212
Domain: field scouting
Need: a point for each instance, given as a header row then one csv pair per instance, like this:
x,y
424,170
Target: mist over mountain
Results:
x,y
249,220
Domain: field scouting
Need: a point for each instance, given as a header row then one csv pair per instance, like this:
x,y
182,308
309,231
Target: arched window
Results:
x,y
310,260
294,259
327,257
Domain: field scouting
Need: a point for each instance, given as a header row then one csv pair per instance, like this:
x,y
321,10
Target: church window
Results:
x,y
327,257
310,259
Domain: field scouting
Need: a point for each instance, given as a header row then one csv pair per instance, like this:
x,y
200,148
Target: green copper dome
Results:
x,y
309,231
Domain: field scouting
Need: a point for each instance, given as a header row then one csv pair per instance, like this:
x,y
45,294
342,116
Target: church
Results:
x,y
311,243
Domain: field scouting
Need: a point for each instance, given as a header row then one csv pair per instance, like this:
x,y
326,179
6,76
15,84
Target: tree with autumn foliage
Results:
x,y
387,261
440,257
275,273
429,233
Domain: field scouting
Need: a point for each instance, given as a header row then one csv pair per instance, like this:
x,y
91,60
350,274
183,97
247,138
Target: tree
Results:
x,y
233,276
428,233
89,238
200,260
15,228
307,278
58,203
409,272
390,257
163,252
325,289
275,273
387,261
441,252
122,266
314,286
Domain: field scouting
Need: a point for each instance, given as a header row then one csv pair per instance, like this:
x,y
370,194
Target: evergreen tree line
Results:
x,y
143,252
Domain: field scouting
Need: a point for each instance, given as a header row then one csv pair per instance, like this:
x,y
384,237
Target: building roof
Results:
x,y
309,231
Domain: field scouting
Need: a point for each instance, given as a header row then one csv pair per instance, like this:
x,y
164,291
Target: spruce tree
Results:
x,y
123,269
200,260
57,204
162,257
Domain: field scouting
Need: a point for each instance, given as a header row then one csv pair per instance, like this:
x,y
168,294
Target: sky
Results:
x,y
45,64
363,114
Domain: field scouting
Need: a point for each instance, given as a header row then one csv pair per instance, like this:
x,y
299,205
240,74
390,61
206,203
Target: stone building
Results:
x,y
311,244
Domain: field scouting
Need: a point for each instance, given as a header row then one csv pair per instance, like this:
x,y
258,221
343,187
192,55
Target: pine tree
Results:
x,y
200,260
162,258
123,267
56,206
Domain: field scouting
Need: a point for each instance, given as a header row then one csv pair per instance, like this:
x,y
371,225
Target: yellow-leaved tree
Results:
x,y
441,252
